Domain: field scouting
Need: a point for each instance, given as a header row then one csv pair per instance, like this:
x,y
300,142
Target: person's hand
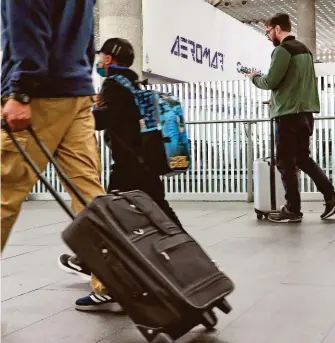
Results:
x,y
252,75
97,101
17,115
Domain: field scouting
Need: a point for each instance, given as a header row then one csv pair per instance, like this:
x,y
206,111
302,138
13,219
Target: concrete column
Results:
x,y
123,18
307,24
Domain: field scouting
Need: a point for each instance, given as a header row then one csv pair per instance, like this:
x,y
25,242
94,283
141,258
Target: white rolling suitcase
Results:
x,y
269,193
263,202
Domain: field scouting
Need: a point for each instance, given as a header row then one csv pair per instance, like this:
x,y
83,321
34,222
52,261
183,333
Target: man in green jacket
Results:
x,y
294,99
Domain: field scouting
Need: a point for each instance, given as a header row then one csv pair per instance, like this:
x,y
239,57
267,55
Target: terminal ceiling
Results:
x,y
254,12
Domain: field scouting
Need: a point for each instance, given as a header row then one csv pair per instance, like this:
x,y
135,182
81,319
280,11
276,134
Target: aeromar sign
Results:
x,y
188,49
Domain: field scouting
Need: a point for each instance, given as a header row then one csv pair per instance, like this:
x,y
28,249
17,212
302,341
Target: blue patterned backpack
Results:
x,y
165,143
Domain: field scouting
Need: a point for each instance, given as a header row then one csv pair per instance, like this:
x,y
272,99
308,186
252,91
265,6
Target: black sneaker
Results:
x,y
330,209
95,302
73,265
285,216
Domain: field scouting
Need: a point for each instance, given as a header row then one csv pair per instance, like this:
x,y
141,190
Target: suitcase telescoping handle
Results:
x,y
272,163
273,168
39,173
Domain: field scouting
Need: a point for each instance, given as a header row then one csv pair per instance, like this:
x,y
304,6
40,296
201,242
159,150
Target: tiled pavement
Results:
x,y
284,275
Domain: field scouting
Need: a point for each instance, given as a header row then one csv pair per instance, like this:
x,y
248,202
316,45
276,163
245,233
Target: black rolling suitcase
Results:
x,y
161,277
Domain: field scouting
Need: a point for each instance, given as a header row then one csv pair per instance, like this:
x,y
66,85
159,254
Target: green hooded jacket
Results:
x,y
292,80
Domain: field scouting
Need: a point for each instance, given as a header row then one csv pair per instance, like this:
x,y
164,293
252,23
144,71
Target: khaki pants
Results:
x,y
66,126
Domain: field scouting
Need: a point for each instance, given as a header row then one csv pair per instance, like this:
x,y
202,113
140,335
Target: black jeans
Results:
x,y
293,139
142,180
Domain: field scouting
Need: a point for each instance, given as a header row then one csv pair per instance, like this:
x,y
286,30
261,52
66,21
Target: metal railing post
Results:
x,y
250,193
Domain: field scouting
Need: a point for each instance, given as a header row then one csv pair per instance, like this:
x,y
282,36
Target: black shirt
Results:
x,y
119,116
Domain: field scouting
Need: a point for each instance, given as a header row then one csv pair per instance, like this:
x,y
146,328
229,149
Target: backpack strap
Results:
x,y
123,81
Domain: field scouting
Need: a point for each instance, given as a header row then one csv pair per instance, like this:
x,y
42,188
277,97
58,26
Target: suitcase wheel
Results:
x,y
209,320
260,215
224,306
163,338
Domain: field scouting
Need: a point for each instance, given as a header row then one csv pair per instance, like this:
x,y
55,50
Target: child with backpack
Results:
x,y
118,113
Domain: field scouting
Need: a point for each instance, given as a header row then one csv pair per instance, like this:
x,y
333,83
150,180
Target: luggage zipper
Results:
x,y
204,284
141,234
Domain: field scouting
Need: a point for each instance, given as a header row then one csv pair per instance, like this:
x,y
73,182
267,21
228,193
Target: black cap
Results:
x,y
120,49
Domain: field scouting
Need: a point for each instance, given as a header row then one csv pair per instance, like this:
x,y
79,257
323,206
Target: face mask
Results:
x,y
101,69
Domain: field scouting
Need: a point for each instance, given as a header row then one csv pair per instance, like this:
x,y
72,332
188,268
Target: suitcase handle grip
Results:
x,y
39,174
167,227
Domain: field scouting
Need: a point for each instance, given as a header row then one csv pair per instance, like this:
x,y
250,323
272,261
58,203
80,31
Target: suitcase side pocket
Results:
x,y
126,283
184,260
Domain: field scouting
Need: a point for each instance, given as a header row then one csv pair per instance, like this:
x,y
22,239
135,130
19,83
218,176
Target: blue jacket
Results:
x,y
48,47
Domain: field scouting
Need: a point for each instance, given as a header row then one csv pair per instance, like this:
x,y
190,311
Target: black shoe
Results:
x,y
285,216
73,265
95,302
330,209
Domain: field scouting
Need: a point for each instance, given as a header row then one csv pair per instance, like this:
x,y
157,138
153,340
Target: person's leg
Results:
x,y
98,300
286,163
160,200
312,169
146,182
154,187
78,156
17,178
16,182
278,167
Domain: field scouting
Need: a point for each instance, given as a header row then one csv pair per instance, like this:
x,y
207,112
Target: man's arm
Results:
x,y
29,33
279,64
91,52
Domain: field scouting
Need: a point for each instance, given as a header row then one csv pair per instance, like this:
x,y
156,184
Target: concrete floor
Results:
x,y
284,275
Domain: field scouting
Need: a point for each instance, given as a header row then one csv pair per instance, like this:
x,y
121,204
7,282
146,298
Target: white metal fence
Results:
x,y
220,152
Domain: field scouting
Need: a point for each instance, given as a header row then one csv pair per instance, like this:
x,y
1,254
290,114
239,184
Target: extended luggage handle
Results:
x,y
272,162
39,173
272,168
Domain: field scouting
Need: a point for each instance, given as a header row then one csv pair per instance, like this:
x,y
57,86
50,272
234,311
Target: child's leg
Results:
x,y
147,183
154,187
